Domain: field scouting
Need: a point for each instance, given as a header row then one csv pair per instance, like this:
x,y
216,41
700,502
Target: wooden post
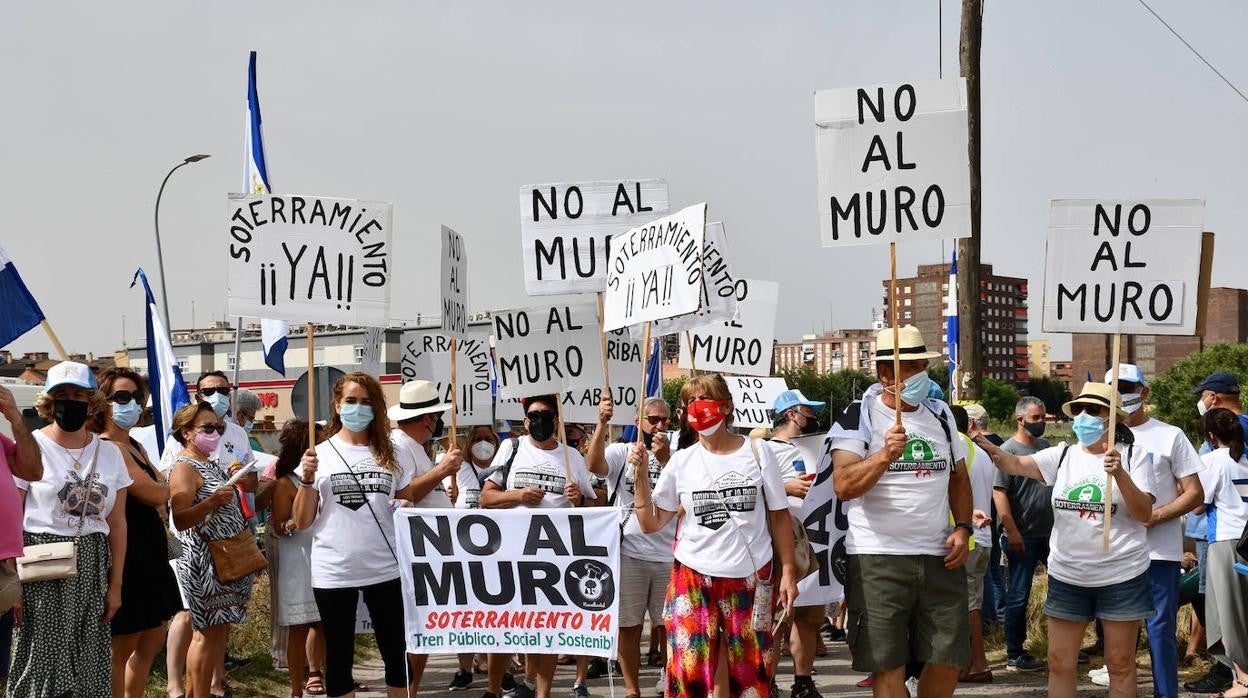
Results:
x,y
602,335
1113,424
970,341
238,361
693,363
56,342
454,397
563,437
893,320
311,391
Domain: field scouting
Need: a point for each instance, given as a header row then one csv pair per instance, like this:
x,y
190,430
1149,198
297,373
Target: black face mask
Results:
x,y
811,426
1036,429
647,437
542,425
438,428
69,415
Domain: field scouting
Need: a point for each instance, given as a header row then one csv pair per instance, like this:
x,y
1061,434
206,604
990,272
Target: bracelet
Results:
x,y
307,483
962,524
647,505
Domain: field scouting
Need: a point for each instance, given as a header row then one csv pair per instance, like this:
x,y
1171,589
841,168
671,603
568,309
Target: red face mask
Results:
x,y
704,416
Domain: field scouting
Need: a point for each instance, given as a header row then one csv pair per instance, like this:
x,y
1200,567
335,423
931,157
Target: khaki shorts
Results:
x,y
904,604
976,570
810,615
643,587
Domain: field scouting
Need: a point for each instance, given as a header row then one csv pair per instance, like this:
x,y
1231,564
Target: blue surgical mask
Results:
x,y
247,425
219,403
1088,429
356,417
915,388
127,415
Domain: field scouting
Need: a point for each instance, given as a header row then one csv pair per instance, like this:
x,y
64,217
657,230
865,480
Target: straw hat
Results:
x,y
908,339
417,398
1098,394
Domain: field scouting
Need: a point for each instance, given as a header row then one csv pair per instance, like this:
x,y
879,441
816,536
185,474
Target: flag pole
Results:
x,y
56,342
454,397
892,305
1113,424
311,392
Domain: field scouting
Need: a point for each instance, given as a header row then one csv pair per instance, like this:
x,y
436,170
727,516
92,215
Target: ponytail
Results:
x,y
1224,426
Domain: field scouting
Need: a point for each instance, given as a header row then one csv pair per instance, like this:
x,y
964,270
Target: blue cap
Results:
x,y
789,399
935,391
1220,382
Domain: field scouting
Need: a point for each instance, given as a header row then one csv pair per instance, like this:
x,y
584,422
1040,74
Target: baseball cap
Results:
x,y
1221,382
70,373
1127,372
789,399
976,412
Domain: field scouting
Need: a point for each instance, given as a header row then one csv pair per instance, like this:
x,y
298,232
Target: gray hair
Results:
x,y
246,401
1025,402
656,401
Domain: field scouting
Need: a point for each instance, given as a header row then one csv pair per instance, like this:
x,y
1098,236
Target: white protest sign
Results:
x,y
825,525
309,259
454,285
892,163
719,289
655,271
744,345
510,580
752,398
564,229
1129,266
427,356
363,621
547,349
624,364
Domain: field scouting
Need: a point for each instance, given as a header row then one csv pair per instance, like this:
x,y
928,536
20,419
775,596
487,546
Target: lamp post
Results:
x,y
160,258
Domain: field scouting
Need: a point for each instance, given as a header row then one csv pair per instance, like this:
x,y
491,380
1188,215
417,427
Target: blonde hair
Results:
x,y
95,405
714,387
185,417
379,429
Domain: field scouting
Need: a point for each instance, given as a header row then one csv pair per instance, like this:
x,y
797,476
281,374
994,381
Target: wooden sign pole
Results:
x,y
563,436
892,305
454,396
602,335
693,363
1113,424
311,390
56,342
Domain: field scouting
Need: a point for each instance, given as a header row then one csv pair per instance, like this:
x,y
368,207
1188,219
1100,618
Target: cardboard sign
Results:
x,y
743,346
547,349
564,229
427,356
624,364
825,525
752,399
892,163
719,289
509,580
454,285
1129,266
309,259
655,271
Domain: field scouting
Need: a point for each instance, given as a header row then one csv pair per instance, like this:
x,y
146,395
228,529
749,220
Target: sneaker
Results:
x,y
912,686
660,688
580,691
1084,657
461,681
867,682
804,688
1024,662
773,691
838,635
1104,670
616,671
825,629
522,690
509,682
1218,679
597,668
1100,678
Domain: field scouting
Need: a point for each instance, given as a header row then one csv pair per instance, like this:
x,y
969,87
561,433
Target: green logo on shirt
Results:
x,y
918,457
1086,498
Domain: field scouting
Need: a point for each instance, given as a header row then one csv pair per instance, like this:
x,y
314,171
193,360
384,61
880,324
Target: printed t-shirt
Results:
x,y
348,549
635,543
437,497
1225,482
534,467
792,466
907,511
235,445
10,504
468,484
1076,550
1031,501
1173,458
53,503
982,474
723,497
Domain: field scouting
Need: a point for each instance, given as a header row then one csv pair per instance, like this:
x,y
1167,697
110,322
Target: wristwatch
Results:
x,y
969,528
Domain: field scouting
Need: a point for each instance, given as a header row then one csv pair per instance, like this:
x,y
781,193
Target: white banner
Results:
x,y
624,364
744,345
719,289
752,398
454,285
309,259
1129,266
509,580
427,356
892,163
547,349
564,229
825,524
655,271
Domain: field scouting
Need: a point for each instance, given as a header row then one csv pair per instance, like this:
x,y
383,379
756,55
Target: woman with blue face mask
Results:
x,y
1087,582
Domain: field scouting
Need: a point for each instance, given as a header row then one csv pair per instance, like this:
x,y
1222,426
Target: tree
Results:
x,y
939,373
1051,391
1170,397
837,389
671,393
999,398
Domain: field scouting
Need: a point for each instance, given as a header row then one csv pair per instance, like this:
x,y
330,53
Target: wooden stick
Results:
x,y
645,366
454,397
311,390
1113,424
602,335
238,361
563,437
892,304
693,364
56,342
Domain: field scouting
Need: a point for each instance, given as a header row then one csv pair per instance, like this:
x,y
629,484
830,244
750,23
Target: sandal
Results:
x,y
315,684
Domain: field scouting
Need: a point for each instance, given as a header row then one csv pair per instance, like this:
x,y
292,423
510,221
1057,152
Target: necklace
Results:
x,y
76,459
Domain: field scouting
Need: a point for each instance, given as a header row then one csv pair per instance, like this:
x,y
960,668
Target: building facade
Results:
x,y
828,352
1039,358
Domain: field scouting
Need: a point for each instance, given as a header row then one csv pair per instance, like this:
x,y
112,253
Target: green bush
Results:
x,y
1171,399
999,398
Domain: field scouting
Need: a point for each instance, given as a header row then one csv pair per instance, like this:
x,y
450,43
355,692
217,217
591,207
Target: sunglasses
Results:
x,y
539,414
123,397
1092,410
209,428
210,391
653,420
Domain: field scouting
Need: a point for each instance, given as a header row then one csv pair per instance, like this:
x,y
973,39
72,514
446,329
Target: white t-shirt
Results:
x,y
1226,488
907,511
437,497
982,476
1076,548
347,548
53,503
714,489
235,445
1173,458
789,457
534,467
468,482
635,543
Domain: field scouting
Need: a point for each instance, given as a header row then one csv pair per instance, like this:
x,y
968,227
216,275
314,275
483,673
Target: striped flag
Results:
x,y
163,375
256,181
19,313
951,334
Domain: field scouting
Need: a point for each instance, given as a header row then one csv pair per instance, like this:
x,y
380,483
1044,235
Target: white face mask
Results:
x,y
1201,407
1132,402
483,450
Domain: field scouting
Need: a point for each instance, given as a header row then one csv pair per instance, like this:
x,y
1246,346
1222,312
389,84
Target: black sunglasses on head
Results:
x,y
209,391
209,428
123,397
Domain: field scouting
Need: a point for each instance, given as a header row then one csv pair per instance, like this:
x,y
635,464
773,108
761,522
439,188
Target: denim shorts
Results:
x,y
1129,600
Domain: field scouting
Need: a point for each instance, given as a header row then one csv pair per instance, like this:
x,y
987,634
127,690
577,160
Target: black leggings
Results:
x,y
385,608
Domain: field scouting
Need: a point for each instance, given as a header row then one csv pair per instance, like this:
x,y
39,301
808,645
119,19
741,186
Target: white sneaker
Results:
x,y
912,685
1102,670
1100,676
661,687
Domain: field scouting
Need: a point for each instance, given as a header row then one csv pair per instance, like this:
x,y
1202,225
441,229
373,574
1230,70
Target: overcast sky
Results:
x,y
447,108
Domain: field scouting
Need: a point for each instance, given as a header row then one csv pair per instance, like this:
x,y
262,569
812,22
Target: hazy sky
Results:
x,y
447,108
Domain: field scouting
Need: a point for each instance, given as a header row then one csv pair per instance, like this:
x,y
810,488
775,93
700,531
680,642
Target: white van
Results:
x,y
25,394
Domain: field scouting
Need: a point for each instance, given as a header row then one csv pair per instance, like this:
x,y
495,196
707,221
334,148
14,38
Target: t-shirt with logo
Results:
x,y
1031,501
1173,458
907,511
55,502
982,473
468,485
635,543
545,470
349,547
792,466
437,498
723,499
1077,548
1225,482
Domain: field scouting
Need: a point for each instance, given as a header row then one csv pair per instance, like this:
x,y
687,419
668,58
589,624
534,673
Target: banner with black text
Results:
x,y
426,355
825,524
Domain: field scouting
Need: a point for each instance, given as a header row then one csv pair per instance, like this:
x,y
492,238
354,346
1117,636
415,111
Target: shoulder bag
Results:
x,y
236,557
48,561
804,559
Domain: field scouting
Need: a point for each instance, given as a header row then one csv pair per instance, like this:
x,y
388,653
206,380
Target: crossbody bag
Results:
x,y
367,503
48,561
236,557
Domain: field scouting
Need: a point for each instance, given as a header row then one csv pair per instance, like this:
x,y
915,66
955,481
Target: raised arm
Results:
x,y
1008,463
27,462
596,459
853,475
650,518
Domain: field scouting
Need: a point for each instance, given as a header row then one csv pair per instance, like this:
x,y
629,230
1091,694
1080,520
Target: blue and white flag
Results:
x,y
164,378
19,313
951,334
256,181
653,387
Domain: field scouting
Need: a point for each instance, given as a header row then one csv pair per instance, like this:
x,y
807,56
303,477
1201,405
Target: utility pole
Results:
x,y
970,345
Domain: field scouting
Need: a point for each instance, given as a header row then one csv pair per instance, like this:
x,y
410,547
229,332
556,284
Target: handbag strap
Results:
x,y
724,504
365,496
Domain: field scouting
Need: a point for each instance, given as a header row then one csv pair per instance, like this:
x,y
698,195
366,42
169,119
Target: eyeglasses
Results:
x,y
210,391
656,420
1092,410
209,428
123,397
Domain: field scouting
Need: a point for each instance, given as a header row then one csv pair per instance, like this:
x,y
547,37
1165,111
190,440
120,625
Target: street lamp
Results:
x,y
160,258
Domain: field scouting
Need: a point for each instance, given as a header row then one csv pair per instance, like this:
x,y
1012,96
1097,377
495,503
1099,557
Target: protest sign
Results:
x,y
752,399
655,271
564,229
825,525
427,356
547,349
309,259
892,163
719,289
624,364
454,285
515,580
1123,266
744,345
